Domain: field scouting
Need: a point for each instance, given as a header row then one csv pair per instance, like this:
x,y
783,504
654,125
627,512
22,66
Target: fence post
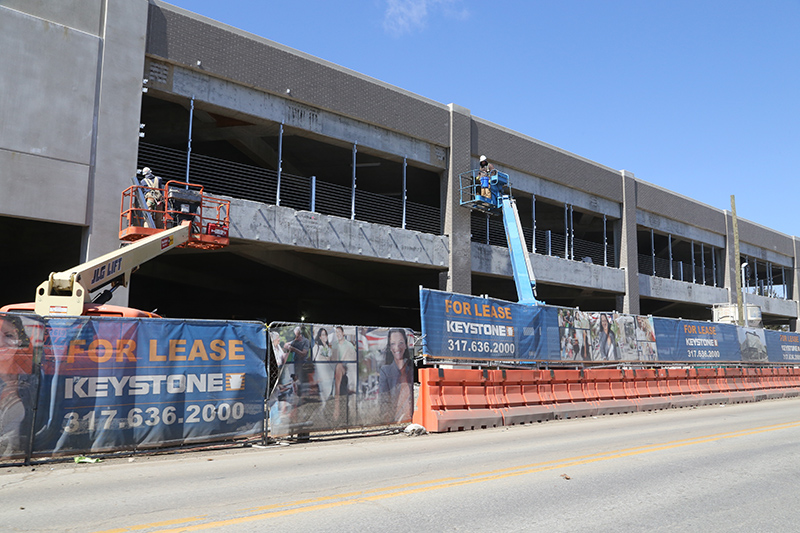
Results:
x,y
313,194
669,242
280,165
549,244
714,266
353,193
189,144
533,215
653,249
405,164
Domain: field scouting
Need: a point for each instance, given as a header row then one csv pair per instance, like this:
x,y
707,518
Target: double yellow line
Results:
x,y
198,523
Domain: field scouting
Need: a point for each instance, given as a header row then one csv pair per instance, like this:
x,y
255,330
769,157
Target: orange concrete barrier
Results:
x,y
790,381
455,400
648,395
589,389
611,396
724,382
458,399
693,381
708,387
770,376
570,400
524,404
739,392
476,395
601,378
494,384
539,396
677,385
629,386
662,384
545,385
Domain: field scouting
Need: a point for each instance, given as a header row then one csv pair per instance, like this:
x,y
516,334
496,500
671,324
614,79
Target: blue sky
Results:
x,y
700,97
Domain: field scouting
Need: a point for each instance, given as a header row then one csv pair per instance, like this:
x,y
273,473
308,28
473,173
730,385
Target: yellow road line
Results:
x,y
350,498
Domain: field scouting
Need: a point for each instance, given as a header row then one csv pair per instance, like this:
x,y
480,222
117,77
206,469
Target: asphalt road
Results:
x,y
732,468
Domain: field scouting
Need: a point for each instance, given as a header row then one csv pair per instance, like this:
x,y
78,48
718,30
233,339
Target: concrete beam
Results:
x,y
317,233
678,229
680,291
588,203
774,306
230,96
495,260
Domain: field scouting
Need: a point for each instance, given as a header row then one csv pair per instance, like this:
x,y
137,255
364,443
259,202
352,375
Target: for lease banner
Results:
x,y
115,383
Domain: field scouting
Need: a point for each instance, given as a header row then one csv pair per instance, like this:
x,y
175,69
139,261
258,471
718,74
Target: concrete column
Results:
x,y
118,99
456,218
629,251
731,261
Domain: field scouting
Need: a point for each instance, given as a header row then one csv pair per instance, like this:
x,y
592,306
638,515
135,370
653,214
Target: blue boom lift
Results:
x,y
500,201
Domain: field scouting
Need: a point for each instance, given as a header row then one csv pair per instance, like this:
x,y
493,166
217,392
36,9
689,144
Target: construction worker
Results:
x,y
153,195
486,169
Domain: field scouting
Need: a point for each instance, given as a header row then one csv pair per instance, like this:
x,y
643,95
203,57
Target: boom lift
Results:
x,y
190,219
500,201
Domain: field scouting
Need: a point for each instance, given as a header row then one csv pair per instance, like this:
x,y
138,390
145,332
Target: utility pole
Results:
x,y
736,268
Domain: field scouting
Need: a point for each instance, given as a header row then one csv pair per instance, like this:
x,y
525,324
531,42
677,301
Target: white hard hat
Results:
x,y
146,170
483,158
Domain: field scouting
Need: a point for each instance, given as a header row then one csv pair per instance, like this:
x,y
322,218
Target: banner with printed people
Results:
x,y
21,339
596,336
477,328
332,377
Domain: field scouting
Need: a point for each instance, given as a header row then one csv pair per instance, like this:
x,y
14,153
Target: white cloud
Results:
x,y
406,16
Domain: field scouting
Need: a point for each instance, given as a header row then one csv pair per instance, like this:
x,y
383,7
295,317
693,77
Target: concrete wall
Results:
x,y
47,97
82,15
71,97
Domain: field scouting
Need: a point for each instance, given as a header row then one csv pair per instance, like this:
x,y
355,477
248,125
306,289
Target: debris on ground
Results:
x,y
412,430
84,459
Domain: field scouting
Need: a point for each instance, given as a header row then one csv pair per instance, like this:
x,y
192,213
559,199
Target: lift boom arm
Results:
x,y
520,260
64,293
